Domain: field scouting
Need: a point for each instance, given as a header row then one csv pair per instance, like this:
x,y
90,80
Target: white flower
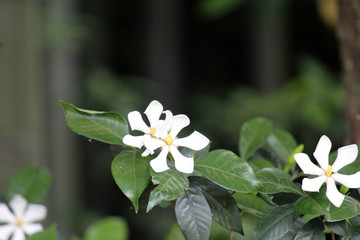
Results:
x,y
157,127
21,220
328,173
169,144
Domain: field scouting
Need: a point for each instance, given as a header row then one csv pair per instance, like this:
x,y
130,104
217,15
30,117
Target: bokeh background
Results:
x,y
221,62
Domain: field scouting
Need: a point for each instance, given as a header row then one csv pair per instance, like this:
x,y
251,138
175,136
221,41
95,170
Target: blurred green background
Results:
x,y
221,62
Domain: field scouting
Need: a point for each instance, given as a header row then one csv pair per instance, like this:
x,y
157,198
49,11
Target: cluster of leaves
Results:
x,y
33,182
262,181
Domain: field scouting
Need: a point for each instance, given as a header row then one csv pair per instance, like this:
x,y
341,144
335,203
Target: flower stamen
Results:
x,y
168,140
152,132
329,171
19,222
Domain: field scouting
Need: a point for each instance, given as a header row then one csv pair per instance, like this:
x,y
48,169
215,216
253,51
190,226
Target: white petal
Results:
x,y
18,234
350,181
134,141
333,193
137,123
195,141
345,156
35,212
306,165
313,184
322,151
178,122
6,231
152,143
163,126
32,228
146,153
159,164
18,205
5,214
182,163
153,112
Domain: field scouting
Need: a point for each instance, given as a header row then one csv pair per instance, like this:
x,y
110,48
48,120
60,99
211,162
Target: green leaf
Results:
x,y
193,214
31,183
108,127
291,160
282,144
313,230
276,223
131,172
223,206
47,234
210,9
109,228
227,170
275,180
251,204
348,209
174,233
313,203
260,163
171,185
254,134
339,228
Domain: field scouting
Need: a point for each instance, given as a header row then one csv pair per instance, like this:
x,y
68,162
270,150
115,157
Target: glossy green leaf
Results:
x,y
110,228
252,204
254,134
223,206
274,180
227,170
131,172
313,230
313,203
193,214
259,163
108,127
276,223
282,144
348,209
171,185
339,228
47,234
31,182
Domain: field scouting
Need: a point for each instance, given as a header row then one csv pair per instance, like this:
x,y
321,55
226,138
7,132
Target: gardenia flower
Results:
x,y
169,143
329,173
157,127
21,220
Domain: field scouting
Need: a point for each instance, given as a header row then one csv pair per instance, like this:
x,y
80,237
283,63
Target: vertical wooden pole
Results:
x,y
349,39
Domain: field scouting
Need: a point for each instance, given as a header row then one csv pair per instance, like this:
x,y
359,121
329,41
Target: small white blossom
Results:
x,y
326,173
21,221
157,127
170,142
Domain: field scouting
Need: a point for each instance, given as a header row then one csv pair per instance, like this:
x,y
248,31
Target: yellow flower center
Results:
x,y
168,140
152,132
329,171
19,222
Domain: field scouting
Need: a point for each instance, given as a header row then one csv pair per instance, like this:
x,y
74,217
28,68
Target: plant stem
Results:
x,y
332,236
231,235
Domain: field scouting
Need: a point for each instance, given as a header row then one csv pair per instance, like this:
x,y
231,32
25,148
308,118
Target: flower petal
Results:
x,y
195,141
152,143
322,151
163,126
345,156
333,193
153,112
134,141
313,184
18,204
35,212
32,228
6,231
306,165
146,153
5,214
137,123
159,164
178,122
18,234
350,181
182,163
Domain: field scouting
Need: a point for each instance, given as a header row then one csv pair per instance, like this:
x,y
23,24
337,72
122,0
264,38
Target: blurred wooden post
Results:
x,y
349,39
